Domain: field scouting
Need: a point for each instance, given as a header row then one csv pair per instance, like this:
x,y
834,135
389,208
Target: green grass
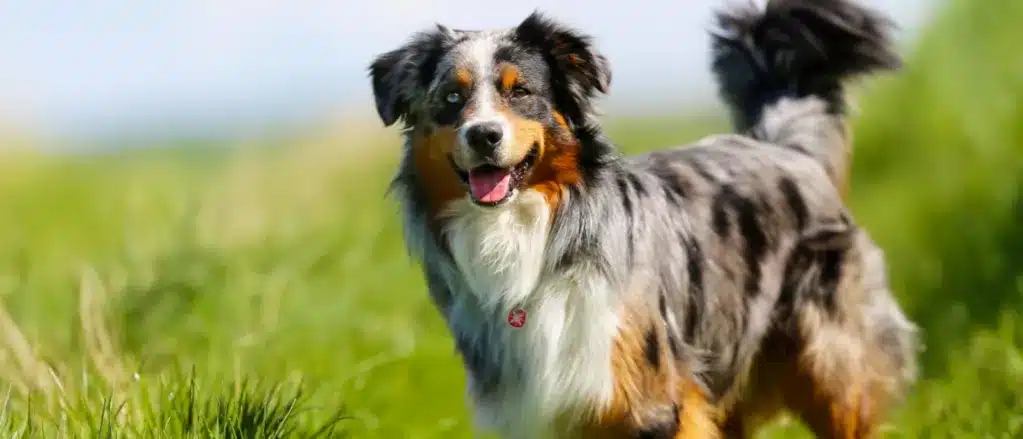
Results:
x,y
266,293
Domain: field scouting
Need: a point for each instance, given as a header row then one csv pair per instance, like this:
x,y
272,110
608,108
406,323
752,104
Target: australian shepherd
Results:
x,y
689,292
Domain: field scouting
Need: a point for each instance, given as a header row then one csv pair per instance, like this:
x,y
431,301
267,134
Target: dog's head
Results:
x,y
493,109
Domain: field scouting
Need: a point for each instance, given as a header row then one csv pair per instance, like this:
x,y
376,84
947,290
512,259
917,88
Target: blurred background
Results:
x,y
194,238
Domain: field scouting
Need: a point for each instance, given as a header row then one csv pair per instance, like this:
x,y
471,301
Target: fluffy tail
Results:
x,y
781,71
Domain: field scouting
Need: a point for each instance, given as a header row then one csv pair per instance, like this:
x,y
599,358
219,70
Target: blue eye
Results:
x,y
453,98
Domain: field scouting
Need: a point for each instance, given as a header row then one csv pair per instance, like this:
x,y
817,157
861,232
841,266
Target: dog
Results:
x,y
689,292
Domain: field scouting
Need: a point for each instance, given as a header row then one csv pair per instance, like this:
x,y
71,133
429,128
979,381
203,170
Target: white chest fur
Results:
x,y
564,348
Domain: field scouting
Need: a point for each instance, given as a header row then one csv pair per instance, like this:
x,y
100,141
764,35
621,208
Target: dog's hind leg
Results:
x,y
853,351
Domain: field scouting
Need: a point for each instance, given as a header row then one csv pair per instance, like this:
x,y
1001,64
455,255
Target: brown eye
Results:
x,y
519,91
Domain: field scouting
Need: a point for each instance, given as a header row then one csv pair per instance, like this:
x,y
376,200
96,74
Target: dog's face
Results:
x,y
496,108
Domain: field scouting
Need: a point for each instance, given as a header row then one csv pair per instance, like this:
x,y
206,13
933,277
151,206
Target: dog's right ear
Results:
x,y
400,75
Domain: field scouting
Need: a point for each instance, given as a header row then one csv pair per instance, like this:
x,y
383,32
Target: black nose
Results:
x,y
484,137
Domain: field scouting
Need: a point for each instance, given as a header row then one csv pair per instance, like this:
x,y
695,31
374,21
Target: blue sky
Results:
x,y
105,66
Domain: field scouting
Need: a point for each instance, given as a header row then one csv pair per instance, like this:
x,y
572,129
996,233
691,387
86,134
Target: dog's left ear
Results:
x,y
578,70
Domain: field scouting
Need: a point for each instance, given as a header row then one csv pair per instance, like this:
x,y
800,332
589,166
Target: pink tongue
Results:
x,y
490,186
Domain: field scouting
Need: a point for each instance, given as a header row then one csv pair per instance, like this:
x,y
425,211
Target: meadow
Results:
x,y
265,292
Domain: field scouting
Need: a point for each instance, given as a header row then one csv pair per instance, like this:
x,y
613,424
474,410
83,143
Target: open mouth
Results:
x,y
491,185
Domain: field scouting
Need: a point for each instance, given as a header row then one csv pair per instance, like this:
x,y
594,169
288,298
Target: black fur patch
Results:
x,y
597,154
652,349
795,201
675,187
585,247
756,242
719,211
796,265
566,260
750,229
637,184
694,270
694,267
702,171
692,319
831,273
623,186
671,196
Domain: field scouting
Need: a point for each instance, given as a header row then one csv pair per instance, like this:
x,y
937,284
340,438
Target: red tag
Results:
x,y
517,318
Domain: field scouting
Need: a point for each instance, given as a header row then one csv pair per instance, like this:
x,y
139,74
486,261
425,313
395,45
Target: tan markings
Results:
x,y
560,119
430,152
697,419
527,134
837,407
464,78
557,164
833,406
636,382
509,77
643,391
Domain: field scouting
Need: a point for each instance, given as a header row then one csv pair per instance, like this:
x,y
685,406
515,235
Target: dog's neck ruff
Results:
x,y
499,251
525,381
